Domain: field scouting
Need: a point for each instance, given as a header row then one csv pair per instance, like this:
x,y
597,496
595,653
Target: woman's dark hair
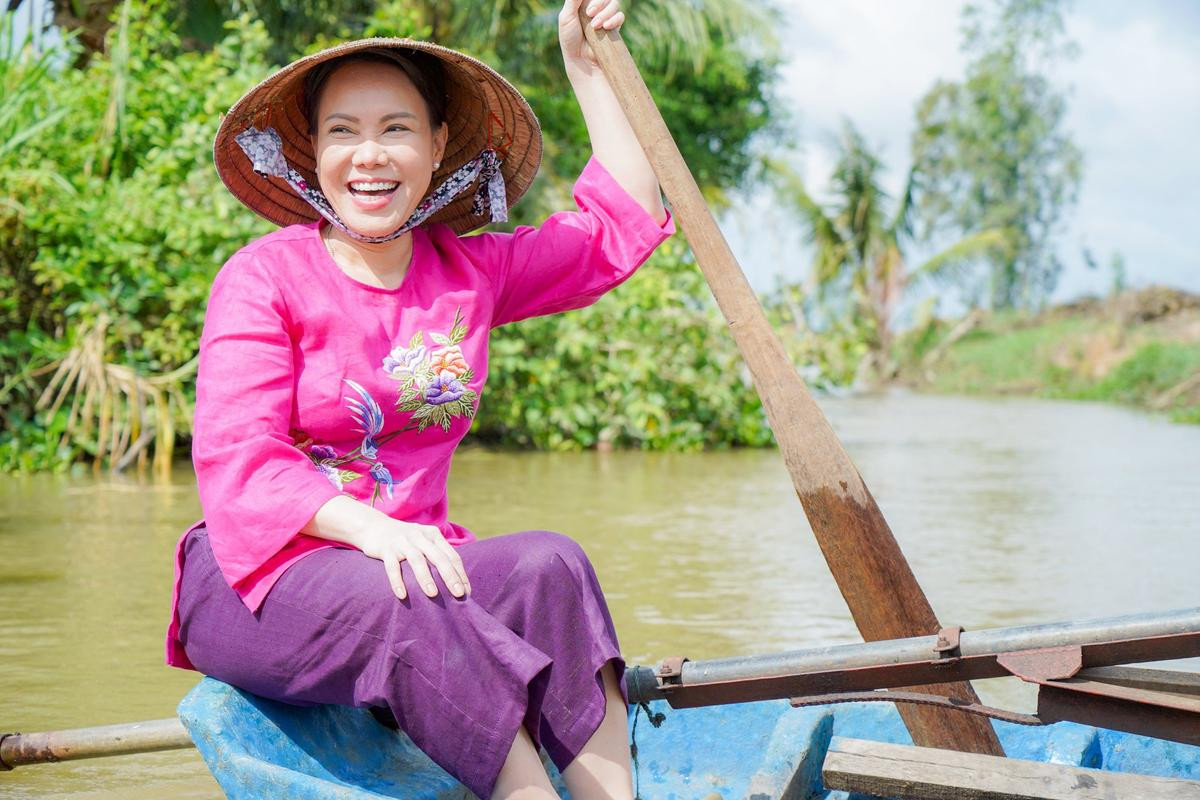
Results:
x,y
423,69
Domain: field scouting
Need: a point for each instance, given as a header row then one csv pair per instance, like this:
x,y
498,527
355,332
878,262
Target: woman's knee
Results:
x,y
554,563
551,544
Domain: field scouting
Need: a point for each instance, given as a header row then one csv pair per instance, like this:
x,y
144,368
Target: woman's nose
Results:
x,y
369,154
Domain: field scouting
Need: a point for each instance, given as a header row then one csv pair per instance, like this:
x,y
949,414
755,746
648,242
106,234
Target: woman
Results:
x,y
341,363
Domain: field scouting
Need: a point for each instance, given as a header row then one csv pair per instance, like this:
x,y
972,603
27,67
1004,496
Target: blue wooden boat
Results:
x,y
257,749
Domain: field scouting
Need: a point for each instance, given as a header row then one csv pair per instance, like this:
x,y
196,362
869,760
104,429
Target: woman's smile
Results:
x,y
370,195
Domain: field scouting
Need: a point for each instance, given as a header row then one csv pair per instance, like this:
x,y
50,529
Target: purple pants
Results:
x,y
460,675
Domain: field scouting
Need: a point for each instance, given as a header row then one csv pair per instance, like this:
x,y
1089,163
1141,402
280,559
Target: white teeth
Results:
x,y
373,186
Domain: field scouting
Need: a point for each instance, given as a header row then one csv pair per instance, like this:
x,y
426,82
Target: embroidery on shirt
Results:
x,y
433,382
369,416
325,459
433,388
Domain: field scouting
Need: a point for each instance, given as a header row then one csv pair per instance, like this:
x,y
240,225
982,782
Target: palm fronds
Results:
x,y
121,412
823,231
681,32
23,73
948,264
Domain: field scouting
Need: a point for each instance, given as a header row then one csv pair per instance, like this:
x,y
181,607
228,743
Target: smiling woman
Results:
x,y
378,137
379,131
342,361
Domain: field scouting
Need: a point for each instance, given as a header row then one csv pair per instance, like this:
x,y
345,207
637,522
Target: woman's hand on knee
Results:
x,y
421,545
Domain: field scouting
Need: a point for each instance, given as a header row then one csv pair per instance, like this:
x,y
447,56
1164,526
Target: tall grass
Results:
x,y
24,115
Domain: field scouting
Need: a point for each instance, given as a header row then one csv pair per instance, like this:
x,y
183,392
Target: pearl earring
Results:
x,y
437,165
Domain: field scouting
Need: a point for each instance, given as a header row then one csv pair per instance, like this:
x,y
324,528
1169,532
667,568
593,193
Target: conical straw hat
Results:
x,y
482,110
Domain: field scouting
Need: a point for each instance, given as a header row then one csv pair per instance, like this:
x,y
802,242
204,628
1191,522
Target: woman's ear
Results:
x,y
439,142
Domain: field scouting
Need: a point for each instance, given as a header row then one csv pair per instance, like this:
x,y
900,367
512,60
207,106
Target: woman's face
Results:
x,y
375,146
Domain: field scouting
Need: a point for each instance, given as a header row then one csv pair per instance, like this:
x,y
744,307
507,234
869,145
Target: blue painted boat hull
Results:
x,y
258,748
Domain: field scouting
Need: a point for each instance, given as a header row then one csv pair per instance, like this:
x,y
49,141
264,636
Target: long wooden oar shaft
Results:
x,y
18,749
879,587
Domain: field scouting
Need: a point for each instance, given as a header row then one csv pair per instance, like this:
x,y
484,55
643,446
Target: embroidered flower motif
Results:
x,y
449,359
446,388
406,363
326,460
433,386
332,473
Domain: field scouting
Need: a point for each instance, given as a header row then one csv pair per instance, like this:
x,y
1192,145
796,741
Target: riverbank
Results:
x,y
1138,348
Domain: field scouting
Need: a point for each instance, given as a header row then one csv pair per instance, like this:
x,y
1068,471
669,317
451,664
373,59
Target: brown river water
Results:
x,y
1010,512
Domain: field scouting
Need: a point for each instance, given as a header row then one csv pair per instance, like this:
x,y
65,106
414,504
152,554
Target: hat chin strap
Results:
x,y
265,150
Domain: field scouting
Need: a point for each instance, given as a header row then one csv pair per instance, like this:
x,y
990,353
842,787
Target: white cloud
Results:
x,y
867,62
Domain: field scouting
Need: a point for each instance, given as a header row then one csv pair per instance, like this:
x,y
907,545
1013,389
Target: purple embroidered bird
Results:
x,y
367,414
382,478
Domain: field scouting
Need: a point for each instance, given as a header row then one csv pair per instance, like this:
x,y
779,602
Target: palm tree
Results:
x,y
861,243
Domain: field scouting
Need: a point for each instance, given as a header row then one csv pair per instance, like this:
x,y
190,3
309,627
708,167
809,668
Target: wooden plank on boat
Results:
x,y
924,773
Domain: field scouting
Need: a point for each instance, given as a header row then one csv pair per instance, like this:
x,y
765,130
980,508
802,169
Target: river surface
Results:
x,y
1010,512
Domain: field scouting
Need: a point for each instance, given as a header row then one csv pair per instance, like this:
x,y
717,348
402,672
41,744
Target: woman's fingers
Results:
x,y
456,563
391,565
605,14
415,554
445,567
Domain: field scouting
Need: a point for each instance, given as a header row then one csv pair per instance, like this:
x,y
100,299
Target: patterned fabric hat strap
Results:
x,y
265,151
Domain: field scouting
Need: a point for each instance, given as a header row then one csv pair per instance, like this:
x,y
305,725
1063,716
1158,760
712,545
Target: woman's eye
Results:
x,y
339,129
391,128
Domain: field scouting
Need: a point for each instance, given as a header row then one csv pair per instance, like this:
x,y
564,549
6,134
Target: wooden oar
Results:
x,y
879,587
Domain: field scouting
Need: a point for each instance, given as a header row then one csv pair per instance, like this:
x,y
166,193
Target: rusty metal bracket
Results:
x,y
1048,664
670,672
920,699
947,648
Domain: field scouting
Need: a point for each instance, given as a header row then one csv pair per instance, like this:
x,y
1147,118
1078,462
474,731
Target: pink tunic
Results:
x,y
312,384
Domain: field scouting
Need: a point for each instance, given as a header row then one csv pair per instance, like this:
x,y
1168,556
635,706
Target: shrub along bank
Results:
x,y
1139,348
113,223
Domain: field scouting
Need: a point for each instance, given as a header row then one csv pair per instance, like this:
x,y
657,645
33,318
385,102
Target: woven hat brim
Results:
x,y
483,109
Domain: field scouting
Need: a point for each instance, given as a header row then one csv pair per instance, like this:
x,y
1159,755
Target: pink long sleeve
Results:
x,y
256,488
572,258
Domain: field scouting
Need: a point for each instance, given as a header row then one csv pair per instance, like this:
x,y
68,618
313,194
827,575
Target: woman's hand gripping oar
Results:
x,y
879,587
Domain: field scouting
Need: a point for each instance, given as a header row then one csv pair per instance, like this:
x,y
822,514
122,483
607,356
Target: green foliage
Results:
x,y
1075,355
991,151
1153,368
651,365
124,219
135,221
290,26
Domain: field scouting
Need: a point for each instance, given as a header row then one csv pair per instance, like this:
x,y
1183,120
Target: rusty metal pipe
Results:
x,y
644,685
168,734
19,749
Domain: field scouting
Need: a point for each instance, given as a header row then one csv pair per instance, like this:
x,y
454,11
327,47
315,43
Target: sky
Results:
x,y
1133,109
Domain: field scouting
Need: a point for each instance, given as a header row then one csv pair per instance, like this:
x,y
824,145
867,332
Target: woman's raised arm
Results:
x,y
613,141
